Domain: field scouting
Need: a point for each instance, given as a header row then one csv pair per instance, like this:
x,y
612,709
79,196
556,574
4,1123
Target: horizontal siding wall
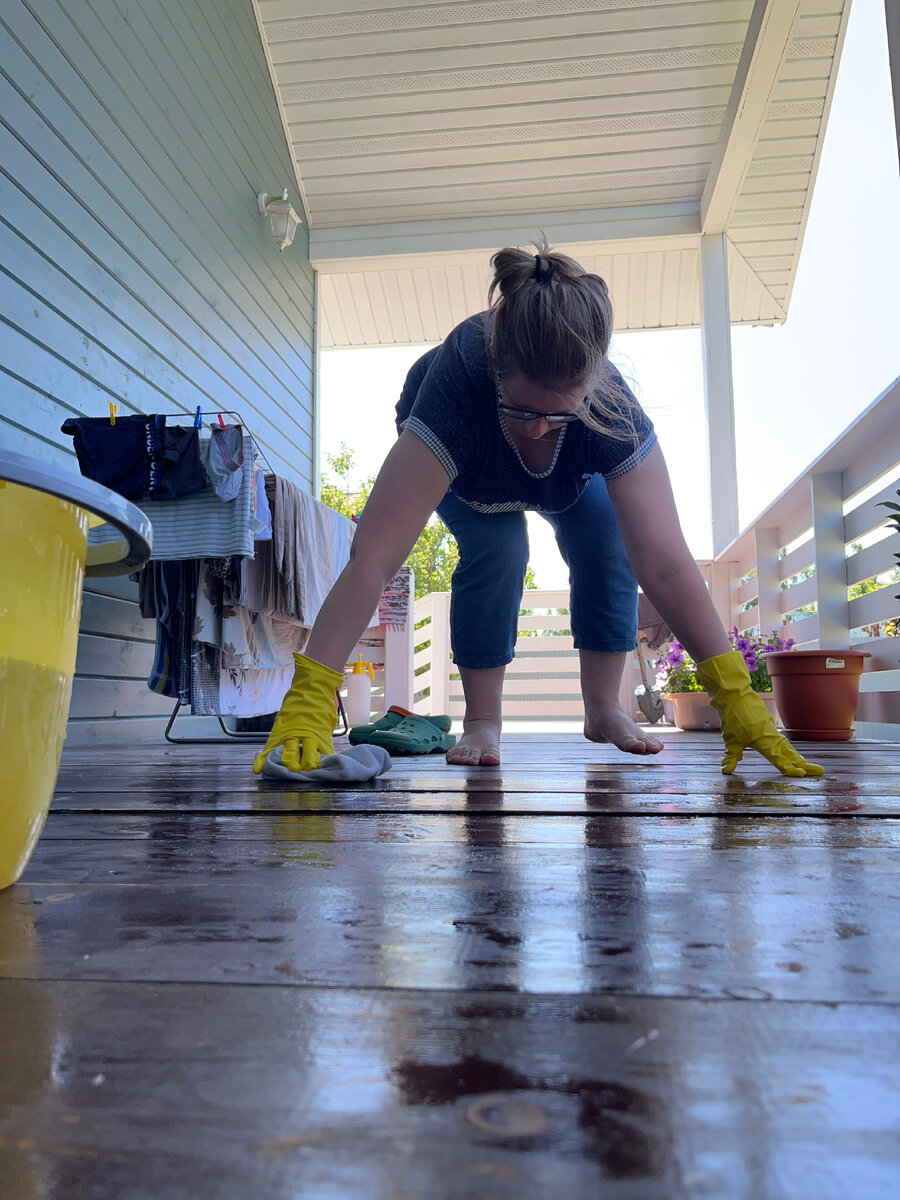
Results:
x,y
134,267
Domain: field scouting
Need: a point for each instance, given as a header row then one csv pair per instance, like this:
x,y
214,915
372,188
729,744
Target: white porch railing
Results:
x,y
820,561
542,680
800,564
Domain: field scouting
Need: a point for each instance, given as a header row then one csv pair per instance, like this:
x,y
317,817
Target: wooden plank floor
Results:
x,y
577,975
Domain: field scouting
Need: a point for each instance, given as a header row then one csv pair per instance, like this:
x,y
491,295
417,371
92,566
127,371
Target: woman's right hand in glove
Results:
x,y
306,719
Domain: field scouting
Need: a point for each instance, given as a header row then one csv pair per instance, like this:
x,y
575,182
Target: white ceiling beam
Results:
x,y
765,47
480,258
331,249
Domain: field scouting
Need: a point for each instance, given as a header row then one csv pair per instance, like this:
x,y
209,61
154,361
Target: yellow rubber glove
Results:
x,y
306,719
745,719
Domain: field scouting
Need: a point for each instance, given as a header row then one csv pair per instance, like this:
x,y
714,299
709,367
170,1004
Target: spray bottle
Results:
x,y
359,692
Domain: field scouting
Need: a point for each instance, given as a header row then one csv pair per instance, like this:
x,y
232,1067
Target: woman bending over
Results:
x,y
520,410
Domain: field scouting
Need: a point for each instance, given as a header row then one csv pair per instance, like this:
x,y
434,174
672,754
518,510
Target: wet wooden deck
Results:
x,y
579,975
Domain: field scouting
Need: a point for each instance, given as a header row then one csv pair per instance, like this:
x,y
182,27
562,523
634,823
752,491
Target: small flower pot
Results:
x,y
692,710
817,691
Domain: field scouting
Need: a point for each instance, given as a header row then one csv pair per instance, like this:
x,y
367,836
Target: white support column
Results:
x,y
718,388
831,561
892,17
768,583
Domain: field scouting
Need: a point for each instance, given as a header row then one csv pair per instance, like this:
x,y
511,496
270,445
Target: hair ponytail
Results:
x,y
553,322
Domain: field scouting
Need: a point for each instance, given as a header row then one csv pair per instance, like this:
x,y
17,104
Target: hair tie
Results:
x,y
545,274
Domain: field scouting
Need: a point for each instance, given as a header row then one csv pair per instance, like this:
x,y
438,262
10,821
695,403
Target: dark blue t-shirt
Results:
x,y
450,401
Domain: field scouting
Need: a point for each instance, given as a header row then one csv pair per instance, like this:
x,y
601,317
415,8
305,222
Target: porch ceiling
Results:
x,y
428,134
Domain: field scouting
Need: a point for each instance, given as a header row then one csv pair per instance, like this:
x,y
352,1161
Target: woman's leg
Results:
x,y
603,608
485,598
479,745
604,718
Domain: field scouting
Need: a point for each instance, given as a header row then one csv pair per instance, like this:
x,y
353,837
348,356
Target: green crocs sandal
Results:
x,y
360,734
414,735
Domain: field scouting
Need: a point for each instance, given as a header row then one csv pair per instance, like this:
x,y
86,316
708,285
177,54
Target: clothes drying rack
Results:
x,y
224,412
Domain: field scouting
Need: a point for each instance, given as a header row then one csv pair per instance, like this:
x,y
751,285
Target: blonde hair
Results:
x,y
552,321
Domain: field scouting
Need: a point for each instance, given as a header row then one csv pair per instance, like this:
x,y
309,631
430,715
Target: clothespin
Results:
x,y
198,418
221,421
113,410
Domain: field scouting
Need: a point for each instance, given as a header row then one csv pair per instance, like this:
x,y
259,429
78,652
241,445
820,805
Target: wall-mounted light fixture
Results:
x,y
283,221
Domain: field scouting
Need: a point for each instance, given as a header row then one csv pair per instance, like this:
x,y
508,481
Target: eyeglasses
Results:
x,y
525,414
522,414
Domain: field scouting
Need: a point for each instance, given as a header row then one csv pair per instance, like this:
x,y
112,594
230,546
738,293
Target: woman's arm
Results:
x,y
661,560
409,487
666,570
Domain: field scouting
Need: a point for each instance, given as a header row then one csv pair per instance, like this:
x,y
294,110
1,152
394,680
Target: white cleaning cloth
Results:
x,y
356,764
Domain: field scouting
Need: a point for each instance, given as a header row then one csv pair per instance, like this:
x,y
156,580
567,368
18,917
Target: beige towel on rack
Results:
x,y
291,575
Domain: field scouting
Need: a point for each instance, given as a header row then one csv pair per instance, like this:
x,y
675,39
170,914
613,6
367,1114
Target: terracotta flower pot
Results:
x,y
817,691
692,710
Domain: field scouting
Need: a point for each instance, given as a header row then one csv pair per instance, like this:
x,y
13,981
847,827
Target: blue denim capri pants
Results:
x,y
486,589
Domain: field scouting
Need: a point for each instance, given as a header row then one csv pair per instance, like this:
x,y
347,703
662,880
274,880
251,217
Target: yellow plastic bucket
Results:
x,y
45,515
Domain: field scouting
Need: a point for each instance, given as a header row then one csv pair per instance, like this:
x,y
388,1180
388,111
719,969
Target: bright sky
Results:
x,y
797,385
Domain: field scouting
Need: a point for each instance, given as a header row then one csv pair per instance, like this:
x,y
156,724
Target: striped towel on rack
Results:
x,y
201,525
394,605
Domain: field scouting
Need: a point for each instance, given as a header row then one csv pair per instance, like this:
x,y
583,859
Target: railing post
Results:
x,y
720,585
399,646
827,496
627,699
440,653
768,583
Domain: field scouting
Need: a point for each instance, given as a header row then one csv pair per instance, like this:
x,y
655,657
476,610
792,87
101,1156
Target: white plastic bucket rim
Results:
x,y
128,553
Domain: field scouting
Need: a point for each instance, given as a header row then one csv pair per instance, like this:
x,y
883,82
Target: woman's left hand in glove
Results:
x,y
745,719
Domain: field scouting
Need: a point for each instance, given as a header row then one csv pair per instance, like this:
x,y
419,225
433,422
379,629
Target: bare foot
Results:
x,y
612,725
479,745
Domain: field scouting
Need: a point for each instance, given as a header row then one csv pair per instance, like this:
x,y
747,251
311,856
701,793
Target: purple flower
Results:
x,y
776,643
744,644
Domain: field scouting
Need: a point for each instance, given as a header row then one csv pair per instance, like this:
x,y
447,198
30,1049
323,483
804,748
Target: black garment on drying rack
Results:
x,y
139,456
182,472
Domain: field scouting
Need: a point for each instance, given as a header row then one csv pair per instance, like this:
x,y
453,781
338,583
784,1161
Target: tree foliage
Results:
x,y
434,555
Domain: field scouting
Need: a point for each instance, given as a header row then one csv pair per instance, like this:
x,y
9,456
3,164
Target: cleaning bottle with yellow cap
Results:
x,y
359,691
